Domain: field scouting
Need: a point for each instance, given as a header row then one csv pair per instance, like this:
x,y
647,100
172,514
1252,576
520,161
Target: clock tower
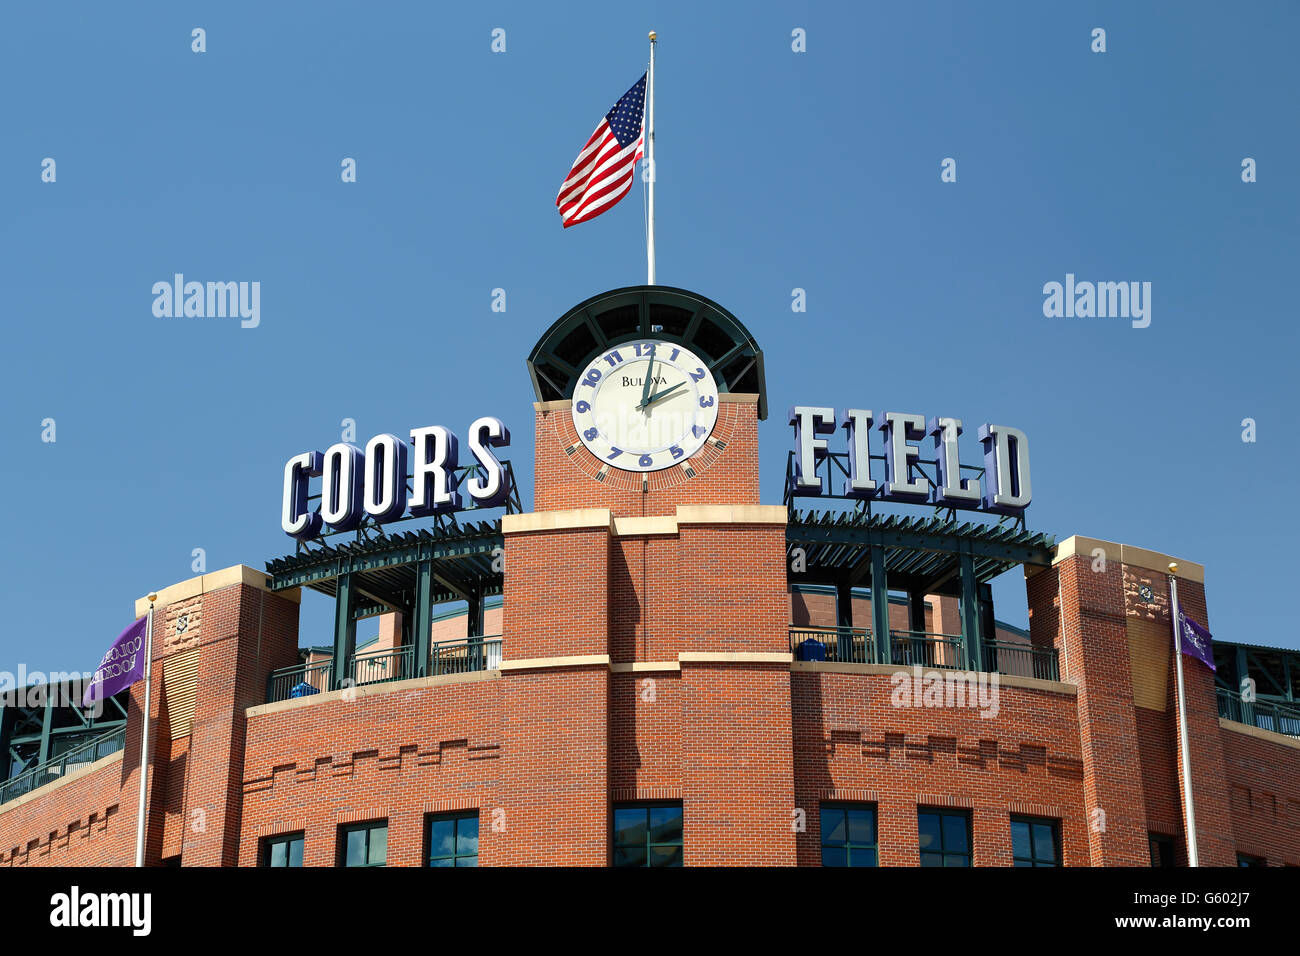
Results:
x,y
648,397
646,595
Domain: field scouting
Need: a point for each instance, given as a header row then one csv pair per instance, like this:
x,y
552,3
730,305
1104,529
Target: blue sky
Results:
x,y
816,170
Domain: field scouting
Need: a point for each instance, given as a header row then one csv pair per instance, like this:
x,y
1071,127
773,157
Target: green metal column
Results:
x,y
844,619
880,606
988,626
474,629
916,612
6,731
422,618
345,629
47,722
843,604
970,614
474,623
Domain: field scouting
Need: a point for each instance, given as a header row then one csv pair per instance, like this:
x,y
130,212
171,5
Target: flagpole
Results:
x,y
1189,811
650,165
144,746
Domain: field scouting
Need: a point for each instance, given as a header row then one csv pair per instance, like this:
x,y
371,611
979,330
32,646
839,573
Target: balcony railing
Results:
x,y
841,645
921,648
926,649
462,657
376,667
64,764
1280,718
398,663
1021,660
300,681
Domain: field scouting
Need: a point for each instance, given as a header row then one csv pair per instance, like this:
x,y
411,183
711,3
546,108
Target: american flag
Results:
x,y
602,173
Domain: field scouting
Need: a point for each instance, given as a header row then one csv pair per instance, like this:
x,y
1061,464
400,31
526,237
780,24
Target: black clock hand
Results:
x,y
660,396
649,372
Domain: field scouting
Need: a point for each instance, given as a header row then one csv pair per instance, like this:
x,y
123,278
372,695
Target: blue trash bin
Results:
x,y
811,650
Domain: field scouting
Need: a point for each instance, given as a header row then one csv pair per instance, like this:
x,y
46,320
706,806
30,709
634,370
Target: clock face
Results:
x,y
645,405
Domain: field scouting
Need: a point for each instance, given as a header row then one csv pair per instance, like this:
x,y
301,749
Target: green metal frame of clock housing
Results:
x,y
641,312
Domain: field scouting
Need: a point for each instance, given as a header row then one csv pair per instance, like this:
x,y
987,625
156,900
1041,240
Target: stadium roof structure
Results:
x,y
918,555
386,566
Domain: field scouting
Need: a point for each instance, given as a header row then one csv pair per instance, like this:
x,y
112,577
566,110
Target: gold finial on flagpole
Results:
x,y
153,597
652,36
1173,567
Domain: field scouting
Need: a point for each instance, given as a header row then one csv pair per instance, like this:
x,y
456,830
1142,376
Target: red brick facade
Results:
x,y
646,657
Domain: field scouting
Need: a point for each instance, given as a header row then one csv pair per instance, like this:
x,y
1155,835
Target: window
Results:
x,y
648,834
1162,849
944,837
1246,860
849,834
364,844
1035,841
283,850
453,839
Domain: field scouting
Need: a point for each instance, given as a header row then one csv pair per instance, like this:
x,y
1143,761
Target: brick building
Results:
x,y
655,666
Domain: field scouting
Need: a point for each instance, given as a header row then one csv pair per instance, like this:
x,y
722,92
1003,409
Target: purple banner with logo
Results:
x,y
121,667
1195,640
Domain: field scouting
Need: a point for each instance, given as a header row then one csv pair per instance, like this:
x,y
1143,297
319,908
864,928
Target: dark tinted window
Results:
x,y
647,835
848,834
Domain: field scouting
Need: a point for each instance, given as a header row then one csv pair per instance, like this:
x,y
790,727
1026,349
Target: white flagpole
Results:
x,y
144,747
650,165
1189,812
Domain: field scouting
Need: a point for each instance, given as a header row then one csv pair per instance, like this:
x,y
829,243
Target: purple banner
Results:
x,y
1195,640
121,667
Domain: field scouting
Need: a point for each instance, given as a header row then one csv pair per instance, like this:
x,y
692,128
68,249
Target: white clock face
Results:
x,y
645,405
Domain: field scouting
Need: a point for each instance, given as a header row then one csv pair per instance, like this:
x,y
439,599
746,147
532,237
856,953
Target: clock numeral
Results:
x,y
706,404
593,376
643,348
676,452
613,358
613,453
591,433
697,431
697,375
582,407
645,461
676,352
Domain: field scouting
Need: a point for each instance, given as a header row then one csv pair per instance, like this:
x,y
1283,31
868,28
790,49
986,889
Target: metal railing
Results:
x,y
374,667
1021,660
921,648
927,649
841,645
301,680
58,767
465,656
1280,718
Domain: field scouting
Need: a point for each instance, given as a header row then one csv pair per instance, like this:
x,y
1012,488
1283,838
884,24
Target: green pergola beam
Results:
x,y
309,571
1009,551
